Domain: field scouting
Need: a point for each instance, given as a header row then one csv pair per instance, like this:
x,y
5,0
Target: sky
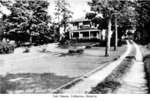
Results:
x,y
4,10
78,7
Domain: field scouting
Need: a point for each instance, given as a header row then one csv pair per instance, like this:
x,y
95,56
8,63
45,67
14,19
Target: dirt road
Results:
x,y
134,81
86,85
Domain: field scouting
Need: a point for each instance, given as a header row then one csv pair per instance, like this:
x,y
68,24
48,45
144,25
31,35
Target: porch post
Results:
x,y
70,35
89,34
99,35
79,35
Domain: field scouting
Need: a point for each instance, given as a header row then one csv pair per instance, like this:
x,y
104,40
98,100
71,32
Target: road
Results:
x,y
87,84
133,82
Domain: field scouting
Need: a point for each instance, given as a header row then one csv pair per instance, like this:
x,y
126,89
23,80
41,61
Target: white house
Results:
x,y
85,29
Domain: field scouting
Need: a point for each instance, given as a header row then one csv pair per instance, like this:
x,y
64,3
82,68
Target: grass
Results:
x,y
25,81
6,85
77,44
146,60
113,81
52,70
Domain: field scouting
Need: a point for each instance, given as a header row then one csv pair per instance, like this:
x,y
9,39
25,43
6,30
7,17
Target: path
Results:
x,y
134,81
86,85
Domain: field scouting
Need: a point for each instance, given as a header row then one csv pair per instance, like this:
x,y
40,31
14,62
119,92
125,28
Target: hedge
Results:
x,y
6,48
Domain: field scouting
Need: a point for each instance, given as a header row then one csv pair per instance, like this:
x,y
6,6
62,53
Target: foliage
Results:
x,y
144,12
63,14
28,19
6,48
142,34
101,22
123,10
114,12
1,29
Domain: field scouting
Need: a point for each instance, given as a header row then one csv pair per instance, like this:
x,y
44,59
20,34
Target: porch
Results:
x,y
86,34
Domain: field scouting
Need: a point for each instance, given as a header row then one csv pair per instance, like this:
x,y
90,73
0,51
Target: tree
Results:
x,y
1,29
63,14
3,13
125,17
28,19
113,9
15,22
38,20
143,25
104,7
97,20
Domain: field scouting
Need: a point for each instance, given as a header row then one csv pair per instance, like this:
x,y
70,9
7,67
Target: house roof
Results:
x,y
80,20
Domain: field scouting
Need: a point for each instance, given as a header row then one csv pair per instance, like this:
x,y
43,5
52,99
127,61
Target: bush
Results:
x,y
88,47
26,50
78,51
43,50
6,48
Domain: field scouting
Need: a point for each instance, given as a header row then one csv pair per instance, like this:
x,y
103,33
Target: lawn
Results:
x,y
115,80
146,60
52,69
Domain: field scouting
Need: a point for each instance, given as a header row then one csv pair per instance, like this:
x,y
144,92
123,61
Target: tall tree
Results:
x,y
106,8
112,9
143,25
4,11
125,17
39,19
28,19
1,29
63,14
15,22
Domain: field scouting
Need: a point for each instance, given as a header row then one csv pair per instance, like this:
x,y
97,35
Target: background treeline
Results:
x,y
130,18
29,20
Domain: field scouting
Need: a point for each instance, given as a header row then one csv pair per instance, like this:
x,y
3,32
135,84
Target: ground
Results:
x,y
126,75
51,69
146,53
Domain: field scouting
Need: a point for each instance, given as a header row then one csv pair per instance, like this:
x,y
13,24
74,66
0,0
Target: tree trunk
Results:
x,y
31,39
108,38
116,35
59,33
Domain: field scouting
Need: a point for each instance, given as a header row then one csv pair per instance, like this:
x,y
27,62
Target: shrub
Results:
x,y
26,50
43,50
78,51
88,47
6,48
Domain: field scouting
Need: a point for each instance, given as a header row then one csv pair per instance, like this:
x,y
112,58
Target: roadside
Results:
x,y
127,78
41,72
146,60
134,81
124,76
86,85
114,80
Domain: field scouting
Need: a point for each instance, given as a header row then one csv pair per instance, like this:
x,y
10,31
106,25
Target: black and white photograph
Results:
x,y
74,47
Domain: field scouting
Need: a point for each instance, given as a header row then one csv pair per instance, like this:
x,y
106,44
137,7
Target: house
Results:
x,y
84,29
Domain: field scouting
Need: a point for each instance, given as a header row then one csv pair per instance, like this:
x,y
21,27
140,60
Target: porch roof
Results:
x,y
86,30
